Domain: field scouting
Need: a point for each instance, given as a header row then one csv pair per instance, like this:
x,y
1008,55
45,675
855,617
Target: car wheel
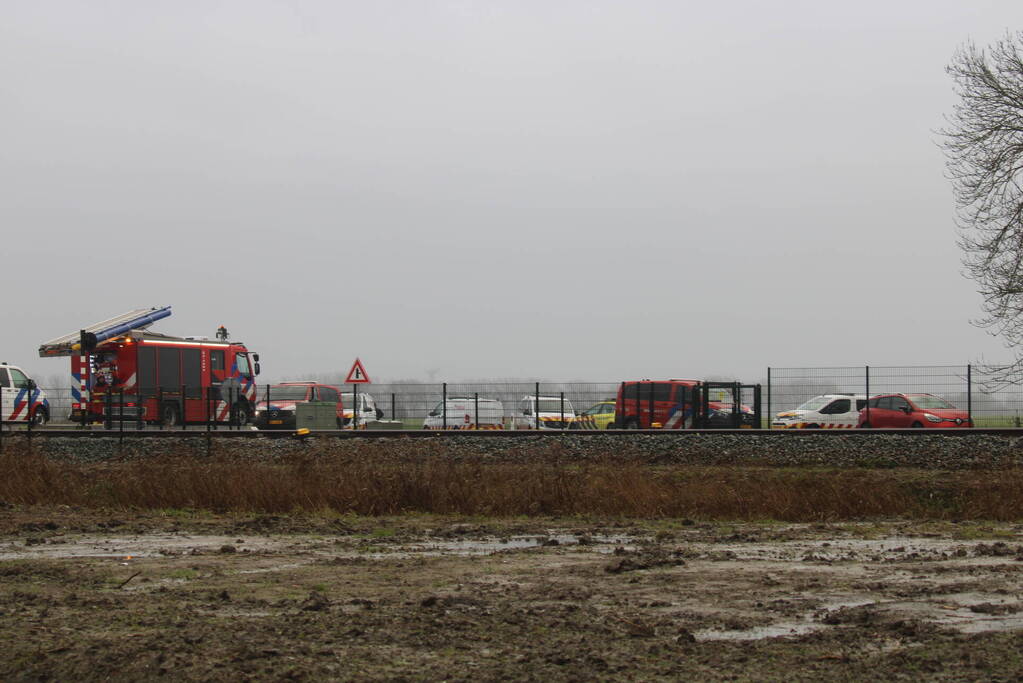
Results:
x,y
866,425
40,417
916,425
813,426
611,425
632,423
169,415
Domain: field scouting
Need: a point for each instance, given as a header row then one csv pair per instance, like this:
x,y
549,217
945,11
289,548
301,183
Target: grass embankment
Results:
x,y
386,486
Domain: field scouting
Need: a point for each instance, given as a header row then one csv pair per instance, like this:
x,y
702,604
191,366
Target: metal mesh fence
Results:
x,y
993,398
412,404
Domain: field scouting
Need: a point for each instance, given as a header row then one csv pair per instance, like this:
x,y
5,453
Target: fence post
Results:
x,y
355,407
444,405
476,401
769,413
209,426
969,392
562,409
393,413
536,405
120,422
867,381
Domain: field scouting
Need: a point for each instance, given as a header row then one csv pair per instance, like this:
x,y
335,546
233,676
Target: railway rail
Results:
x,y
224,432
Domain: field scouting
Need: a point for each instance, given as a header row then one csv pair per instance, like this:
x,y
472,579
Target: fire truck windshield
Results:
x,y
242,361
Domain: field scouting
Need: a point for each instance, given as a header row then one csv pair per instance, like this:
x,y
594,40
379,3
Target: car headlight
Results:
x,y
932,418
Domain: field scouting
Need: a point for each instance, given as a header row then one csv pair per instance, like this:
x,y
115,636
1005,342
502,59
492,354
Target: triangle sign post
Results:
x,y
357,375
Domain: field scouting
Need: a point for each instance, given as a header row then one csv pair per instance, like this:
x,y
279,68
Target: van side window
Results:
x,y
328,394
629,391
4,379
216,360
837,407
861,403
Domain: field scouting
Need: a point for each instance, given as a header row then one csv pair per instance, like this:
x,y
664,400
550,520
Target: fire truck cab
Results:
x,y
122,372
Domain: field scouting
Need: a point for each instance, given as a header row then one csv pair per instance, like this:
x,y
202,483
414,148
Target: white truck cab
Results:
x,y
364,413
544,412
466,412
20,398
828,411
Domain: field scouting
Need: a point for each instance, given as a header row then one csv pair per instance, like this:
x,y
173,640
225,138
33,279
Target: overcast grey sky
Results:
x,y
566,190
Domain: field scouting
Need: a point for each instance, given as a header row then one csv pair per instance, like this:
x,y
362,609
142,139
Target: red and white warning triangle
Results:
x,y
357,375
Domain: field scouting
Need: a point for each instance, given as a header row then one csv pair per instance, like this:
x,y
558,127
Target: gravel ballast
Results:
x,y
926,451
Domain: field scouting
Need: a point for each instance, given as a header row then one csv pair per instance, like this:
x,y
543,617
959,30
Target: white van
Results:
x,y
20,398
828,411
544,412
367,410
460,412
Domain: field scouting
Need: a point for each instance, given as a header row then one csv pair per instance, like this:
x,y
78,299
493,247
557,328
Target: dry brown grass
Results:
x,y
444,485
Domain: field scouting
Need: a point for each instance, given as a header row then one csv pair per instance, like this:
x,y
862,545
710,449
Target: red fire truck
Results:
x,y
123,372
686,404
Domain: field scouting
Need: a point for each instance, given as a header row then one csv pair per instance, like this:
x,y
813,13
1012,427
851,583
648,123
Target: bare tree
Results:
x,y
983,144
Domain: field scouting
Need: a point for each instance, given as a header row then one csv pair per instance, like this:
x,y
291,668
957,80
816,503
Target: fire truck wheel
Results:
x,y
169,415
632,423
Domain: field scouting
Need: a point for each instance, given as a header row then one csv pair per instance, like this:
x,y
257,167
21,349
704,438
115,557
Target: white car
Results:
x,y
462,413
367,410
20,398
828,411
544,412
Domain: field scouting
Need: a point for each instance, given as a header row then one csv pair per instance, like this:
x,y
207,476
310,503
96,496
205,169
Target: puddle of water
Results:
x,y
488,546
160,545
779,630
120,547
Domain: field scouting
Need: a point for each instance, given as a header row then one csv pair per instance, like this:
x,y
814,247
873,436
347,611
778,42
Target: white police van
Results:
x,y
466,412
366,412
20,398
828,411
544,412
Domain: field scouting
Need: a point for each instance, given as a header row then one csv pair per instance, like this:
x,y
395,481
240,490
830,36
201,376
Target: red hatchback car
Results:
x,y
912,410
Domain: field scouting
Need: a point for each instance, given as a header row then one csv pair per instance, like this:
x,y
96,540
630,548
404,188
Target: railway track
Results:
x,y
200,431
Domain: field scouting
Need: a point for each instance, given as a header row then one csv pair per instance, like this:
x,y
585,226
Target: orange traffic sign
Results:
x,y
357,375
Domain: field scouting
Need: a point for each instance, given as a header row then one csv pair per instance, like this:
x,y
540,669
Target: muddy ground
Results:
x,y
198,597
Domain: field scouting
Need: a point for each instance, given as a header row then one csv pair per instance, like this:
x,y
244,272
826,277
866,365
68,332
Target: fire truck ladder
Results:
x,y
72,344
